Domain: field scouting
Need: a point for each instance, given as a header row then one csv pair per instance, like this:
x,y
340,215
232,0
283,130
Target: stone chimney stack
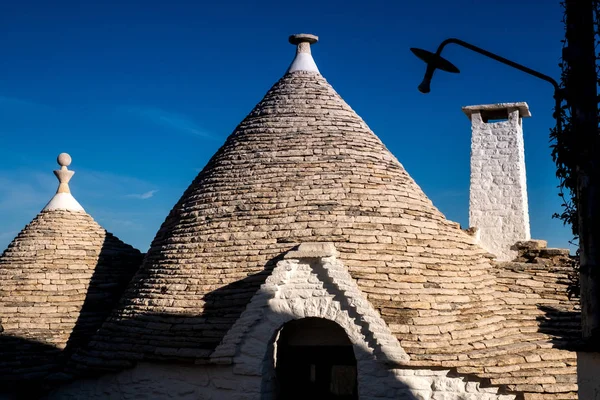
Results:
x,y
498,205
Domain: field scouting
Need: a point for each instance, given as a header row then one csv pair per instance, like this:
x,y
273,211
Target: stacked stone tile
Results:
x,y
304,167
534,288
59,279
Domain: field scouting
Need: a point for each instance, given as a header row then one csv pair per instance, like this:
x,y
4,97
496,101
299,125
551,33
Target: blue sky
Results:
x,y
142,93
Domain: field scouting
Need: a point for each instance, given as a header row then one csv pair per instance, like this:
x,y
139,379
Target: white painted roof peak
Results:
x,y
63,200
303,60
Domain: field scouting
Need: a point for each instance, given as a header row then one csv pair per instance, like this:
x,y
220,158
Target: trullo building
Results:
x,y
59,279
304,262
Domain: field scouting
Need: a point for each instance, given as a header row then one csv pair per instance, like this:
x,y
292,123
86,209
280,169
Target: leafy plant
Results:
x,y
567,149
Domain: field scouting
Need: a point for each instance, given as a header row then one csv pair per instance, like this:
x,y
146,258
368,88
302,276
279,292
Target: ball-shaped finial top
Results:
x,y
64,160
303,38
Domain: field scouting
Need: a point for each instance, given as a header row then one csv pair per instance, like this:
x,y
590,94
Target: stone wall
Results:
x,y
310,282
59,279
536,284
315,287
498,195
162,381
213,382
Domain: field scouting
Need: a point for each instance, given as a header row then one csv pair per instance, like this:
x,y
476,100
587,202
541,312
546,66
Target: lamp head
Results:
x,y
425,86
434,61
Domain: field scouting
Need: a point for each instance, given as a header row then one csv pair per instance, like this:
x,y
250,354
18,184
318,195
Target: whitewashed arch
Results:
x,y
302,287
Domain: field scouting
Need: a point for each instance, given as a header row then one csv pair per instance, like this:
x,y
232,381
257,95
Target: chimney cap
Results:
x,y
303,38
521,106
303,60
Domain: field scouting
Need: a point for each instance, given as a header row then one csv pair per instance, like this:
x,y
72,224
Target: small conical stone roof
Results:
x,y
301,167
59,279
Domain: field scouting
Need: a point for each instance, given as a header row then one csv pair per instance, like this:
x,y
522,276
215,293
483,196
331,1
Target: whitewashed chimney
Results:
x,y
498,205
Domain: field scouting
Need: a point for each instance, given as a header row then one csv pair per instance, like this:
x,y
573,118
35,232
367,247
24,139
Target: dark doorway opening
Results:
x,y
315,360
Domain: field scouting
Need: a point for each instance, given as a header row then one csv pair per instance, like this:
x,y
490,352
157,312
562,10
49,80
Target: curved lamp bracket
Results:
x,y
436,61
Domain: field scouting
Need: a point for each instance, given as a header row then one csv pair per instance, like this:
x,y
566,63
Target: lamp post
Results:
x,y
436,61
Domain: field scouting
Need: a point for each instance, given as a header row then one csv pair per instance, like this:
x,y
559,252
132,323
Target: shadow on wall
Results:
x,y
28,364
224,306
156,342
117,264
324,372
157,380
168,337
314,358
563,325
176,337
24,364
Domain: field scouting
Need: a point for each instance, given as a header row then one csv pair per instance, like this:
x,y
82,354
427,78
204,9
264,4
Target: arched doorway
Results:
x,y
314,359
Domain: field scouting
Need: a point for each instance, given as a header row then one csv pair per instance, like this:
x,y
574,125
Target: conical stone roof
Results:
x,y
59,279
301,167
304,167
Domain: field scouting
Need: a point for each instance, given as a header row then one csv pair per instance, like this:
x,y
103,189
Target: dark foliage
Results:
x,y
566,149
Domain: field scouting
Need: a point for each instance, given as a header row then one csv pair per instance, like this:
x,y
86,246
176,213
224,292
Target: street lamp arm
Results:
x,y
499,59
436,61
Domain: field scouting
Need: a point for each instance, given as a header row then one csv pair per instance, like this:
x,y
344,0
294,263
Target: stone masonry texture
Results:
x,y
297,288
309,288
498,194
304,167
59,279
301,167
216,382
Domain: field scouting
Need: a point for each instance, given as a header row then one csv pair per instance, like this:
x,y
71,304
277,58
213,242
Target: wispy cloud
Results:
x,y
167,119
142,196
18,102
24,189
22,196
103,184
24,192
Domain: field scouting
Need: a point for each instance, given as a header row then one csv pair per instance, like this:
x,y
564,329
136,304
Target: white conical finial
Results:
x,y
303,60
63,200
